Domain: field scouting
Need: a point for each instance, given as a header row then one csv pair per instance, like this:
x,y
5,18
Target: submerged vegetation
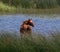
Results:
x,y
12,43
30,6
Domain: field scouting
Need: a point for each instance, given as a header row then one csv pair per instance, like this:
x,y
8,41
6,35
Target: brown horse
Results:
x,y
25,28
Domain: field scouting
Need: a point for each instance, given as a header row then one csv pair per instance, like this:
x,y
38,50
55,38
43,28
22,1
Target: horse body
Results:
x,y
25,28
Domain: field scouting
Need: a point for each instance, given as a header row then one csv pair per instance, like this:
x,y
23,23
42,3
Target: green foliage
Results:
x,y
6,8
46,3
26,3
30,6
16,3
33,3
13,43
58,2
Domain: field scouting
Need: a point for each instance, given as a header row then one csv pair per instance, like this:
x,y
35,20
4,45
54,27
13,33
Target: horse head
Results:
x,y
29,22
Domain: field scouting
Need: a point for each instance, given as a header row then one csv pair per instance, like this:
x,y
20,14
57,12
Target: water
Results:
x,y
11,23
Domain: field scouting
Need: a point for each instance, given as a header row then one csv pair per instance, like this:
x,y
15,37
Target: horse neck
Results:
x,y
26,23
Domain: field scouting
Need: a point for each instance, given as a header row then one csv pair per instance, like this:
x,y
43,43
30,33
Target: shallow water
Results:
x,y
46,25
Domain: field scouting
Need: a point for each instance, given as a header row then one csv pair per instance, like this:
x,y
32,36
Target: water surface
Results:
x,y
43,24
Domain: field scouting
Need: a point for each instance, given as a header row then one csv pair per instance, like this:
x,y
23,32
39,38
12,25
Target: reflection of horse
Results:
x,y
25,28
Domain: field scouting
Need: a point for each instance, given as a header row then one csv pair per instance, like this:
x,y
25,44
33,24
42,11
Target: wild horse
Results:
x,y
25,28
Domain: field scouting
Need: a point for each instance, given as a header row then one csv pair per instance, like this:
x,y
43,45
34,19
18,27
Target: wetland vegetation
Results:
x,y
30,6
12,43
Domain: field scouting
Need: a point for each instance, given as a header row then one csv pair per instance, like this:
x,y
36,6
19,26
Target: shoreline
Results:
x,y
32,11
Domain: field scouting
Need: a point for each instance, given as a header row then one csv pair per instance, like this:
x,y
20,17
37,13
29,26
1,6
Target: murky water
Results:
x,y
11,23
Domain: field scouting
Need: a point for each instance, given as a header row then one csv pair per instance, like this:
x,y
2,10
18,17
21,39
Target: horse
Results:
x,y
25,28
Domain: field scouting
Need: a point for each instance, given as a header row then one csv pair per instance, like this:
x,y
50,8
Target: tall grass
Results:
x,y
6,9
11,43
39,11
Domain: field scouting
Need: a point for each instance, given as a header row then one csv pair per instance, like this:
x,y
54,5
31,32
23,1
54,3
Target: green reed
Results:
x,y
11,42
6,9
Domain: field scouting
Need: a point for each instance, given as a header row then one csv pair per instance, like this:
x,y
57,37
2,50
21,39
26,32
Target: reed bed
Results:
x,y
6,9
10,42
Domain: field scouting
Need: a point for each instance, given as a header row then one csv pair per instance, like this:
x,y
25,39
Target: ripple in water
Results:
x,y
46,25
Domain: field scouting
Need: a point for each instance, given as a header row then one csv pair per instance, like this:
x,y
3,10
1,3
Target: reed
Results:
x,y
6,9
11,43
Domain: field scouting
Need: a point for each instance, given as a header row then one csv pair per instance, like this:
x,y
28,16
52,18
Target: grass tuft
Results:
x,y
12,43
